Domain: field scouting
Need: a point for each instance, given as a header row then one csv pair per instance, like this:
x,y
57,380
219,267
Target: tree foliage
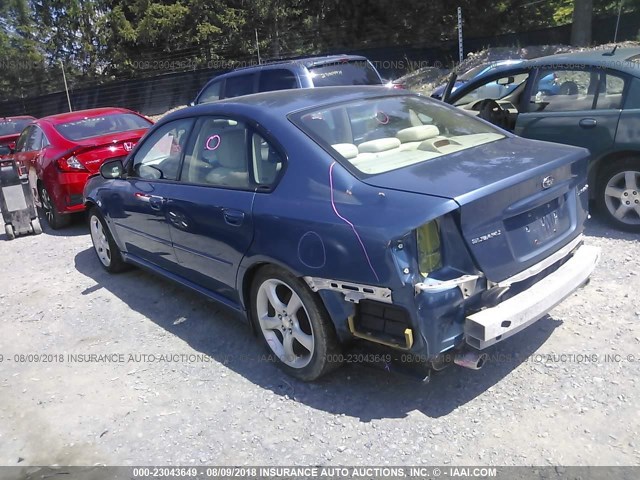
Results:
x,y
97,40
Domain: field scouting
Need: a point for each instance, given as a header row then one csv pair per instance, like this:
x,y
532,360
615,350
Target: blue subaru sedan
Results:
x,y
333,215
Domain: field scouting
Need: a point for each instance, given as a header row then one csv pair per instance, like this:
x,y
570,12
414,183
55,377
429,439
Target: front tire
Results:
x,y
618,194
55,219
294,324
104,245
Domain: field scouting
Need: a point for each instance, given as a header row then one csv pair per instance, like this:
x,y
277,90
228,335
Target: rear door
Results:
x,y
584,112
138,204
210,210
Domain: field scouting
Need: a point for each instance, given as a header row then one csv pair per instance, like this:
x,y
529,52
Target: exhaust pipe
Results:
x,y
471,359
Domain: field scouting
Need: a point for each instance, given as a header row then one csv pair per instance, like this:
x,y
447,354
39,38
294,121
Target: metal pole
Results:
x,y
64,77
258,47
615,37
460,45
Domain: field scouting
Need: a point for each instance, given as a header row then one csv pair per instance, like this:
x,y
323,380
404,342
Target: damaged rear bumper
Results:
x,y
491,325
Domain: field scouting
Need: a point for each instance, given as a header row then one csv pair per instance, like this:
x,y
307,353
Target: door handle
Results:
x,y
233,217
588,122
154,201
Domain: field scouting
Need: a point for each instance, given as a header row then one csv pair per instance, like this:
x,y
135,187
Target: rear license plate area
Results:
x,y
538,226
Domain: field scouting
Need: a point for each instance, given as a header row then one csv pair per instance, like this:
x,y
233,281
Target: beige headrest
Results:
x,y
417,134
379,145
347,150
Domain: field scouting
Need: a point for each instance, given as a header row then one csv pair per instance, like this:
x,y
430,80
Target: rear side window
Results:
x,y
280,79
238,86
211,93
101,125
358,72
633,98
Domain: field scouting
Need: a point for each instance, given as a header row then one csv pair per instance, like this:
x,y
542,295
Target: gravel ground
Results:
x,y
524,408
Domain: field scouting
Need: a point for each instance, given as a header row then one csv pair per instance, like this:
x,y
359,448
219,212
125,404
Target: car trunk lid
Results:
x,y
520,200
93,152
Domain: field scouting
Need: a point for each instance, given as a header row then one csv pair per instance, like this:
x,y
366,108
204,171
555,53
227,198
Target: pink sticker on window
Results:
x,y
215,139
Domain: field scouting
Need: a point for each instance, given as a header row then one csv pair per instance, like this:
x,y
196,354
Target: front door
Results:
x,y
584,111
138,205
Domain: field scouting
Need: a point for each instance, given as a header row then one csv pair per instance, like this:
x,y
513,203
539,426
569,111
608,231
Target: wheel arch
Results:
x,y
599,164
336,310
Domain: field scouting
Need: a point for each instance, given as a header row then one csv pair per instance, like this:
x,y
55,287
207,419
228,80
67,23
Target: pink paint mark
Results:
x,y
208,144
382,118
335,210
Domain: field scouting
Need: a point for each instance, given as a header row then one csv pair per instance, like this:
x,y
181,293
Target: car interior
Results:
x,y
381,136
576,90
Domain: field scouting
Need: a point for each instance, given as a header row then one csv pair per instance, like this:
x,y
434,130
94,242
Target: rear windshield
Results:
x,y
357,72
10,127
377,135
101,125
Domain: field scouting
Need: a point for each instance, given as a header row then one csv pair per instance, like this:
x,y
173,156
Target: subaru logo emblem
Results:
x,y
128,146
548,182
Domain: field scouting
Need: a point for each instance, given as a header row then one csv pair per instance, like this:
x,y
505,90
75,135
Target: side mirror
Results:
x,y
192,104
112,169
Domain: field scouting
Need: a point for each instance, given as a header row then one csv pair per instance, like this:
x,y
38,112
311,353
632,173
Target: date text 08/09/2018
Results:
x,y
313,472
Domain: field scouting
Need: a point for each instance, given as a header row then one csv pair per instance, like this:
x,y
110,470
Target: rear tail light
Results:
x,y
429,253
70,164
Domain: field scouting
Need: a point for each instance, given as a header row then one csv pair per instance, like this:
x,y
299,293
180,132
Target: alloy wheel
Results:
x,y
622,197
285,323
100,241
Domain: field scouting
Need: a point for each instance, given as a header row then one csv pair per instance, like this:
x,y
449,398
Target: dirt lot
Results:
x,y
551,395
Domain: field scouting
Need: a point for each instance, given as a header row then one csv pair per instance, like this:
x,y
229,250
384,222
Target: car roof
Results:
x,y
82,114
308,62
605,58
17,117
599,58
283,102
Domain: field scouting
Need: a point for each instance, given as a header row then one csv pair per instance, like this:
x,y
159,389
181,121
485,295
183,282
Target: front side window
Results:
x,y
159,157
34,141
495,89
101,125
211,93
576,90
22,140
377,135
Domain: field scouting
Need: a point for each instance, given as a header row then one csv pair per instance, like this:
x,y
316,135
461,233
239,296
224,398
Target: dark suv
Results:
x,y
330,71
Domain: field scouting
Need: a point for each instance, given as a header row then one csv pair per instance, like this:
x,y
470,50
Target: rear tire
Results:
x,y
104,245
55,219
618,194
8,229
35,225
293,324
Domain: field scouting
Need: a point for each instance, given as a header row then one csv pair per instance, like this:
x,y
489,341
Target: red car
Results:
x,y
10,128
62,151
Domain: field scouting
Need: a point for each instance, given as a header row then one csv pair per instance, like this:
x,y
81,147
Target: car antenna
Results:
x,y
611,53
